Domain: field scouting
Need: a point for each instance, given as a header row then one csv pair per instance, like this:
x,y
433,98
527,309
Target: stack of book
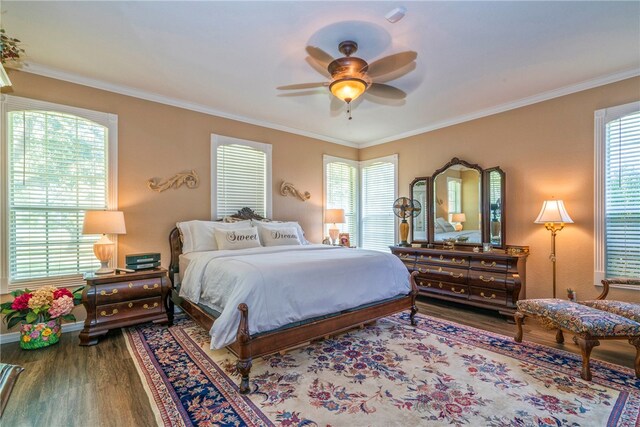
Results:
x,y
143,261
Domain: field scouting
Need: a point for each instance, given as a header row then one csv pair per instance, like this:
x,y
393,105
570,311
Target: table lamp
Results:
x,y
104,222
459,218
554,216
334,216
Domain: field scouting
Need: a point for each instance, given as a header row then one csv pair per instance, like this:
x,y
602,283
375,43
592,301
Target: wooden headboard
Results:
x,y
175,241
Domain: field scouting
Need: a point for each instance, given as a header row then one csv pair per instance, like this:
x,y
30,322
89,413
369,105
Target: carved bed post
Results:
x,y
414,294
244,354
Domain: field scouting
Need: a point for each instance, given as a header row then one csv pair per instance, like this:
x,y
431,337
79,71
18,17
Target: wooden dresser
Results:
x,y
117,300
494,280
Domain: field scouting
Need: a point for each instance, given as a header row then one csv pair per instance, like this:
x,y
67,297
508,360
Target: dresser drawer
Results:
x,y
444,288
488,263
442,273
128,290
129,309
452,260
488,296
407,257
487,279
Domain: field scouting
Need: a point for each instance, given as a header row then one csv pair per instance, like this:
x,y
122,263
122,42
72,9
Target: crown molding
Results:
x,y
544,96
45,71
42,70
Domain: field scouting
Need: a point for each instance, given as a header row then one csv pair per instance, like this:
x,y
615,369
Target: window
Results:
x,y
379,190
617,187
341,192
60,161
366,191
454,195
240,176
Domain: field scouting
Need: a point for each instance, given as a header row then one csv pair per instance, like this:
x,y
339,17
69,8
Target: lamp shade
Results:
x,y
553,211
348,89
103,222
334,216
458,217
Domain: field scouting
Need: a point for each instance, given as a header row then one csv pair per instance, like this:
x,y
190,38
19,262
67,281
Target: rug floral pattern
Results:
x,y
390,373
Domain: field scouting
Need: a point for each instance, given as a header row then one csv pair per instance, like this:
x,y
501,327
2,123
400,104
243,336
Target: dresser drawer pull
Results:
x,y
488,264
130,305
455,261
490,279
440,285
441,257
461,291
113,292
130,285
148,288
104,313
147,307
421,256
426,270
493,296
457,276
405,256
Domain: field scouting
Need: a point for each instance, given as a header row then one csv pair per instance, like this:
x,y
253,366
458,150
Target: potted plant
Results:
x,y
40,314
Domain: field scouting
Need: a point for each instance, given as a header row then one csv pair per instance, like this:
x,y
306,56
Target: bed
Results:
x,y
242,321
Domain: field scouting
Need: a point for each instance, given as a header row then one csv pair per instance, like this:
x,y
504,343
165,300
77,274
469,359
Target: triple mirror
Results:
x,y
463,203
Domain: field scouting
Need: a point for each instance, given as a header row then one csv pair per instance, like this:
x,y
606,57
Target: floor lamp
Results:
x,y
554,216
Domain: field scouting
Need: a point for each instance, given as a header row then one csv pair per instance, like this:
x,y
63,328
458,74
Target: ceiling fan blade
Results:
x,y
386,91
319,55
391,63
302,86
397,73
318,67
302,93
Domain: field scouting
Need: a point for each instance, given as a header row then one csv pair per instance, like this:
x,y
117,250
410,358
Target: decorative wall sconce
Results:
x,y
287,189
190,179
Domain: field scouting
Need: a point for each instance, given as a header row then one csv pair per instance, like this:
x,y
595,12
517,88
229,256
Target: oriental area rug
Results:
x,y
390,373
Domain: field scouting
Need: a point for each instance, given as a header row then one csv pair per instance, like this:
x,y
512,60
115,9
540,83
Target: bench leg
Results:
x,y
586,345
636,342
518,317
559,336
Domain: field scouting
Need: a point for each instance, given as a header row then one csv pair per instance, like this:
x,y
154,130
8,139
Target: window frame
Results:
x,y
9,103
601,118
220,140
326,160
457,201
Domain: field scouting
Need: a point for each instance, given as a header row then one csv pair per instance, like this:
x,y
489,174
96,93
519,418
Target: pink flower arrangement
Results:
x,y
42,305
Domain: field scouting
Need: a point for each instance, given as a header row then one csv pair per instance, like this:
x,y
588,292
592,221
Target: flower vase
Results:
x,y
39,335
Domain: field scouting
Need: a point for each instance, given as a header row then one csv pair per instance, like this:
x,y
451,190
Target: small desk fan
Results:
x,y
404,208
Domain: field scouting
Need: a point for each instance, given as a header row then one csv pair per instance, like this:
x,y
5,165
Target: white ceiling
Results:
x,y
227,58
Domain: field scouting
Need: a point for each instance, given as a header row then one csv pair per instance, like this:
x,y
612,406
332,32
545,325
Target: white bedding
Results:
x,y
285,284
474,236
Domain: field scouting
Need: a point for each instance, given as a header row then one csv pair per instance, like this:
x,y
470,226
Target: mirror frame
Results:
x,y
484,203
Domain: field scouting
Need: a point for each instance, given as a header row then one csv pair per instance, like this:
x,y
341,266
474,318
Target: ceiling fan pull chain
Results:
x,y
349,110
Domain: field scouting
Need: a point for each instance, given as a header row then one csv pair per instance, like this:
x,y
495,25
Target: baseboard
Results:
x,y
15,336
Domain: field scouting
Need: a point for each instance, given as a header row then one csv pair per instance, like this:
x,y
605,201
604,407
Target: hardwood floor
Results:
x,y
69,385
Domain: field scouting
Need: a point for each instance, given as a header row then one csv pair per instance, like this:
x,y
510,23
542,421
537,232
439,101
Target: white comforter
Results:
x,y
285,284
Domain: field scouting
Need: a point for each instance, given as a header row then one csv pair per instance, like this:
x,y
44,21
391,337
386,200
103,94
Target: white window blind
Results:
x,y
454,194
57,167
241,176
341,192
378,192
622,196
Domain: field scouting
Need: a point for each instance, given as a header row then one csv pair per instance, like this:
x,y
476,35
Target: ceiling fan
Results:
x,y
350,77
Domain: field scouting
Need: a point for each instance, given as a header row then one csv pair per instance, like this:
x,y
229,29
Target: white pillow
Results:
x,y
237,239
438,229
303,241
199,235
446,226
274,235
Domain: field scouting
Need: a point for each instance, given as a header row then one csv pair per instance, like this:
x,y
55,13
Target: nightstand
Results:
x,y
117,300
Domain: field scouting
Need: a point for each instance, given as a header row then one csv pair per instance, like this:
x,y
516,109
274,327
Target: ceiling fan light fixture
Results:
x,y
348,89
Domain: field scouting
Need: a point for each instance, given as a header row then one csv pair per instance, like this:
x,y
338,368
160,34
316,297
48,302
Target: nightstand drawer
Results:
x,y
128,290
129,309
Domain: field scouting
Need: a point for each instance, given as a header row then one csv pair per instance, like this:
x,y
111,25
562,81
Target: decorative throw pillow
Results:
x,y
238,239
294,224
278,236
199,235
446,226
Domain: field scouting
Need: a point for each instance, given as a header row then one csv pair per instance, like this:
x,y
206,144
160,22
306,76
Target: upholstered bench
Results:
x,y
588,324
621,308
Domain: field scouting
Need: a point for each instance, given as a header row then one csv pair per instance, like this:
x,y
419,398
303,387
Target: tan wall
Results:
x,y
471,199
546,150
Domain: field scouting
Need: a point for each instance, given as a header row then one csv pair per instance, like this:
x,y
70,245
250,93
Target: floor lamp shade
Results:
x,y
554,216
334,216
104,222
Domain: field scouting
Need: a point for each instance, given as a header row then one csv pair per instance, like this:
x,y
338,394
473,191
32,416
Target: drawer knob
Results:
x,y
440,285
104,313
420,270
461,291
130,305
493,296
490,279
113,292
457,276
441,257
148,288
130,285
488,264
457,261
147,307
